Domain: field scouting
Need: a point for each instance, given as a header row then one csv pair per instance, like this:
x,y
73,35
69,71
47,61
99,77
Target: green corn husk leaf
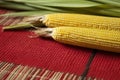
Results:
x,y
18,26
59,3
27,13
42,7
16,6
74,6
110,2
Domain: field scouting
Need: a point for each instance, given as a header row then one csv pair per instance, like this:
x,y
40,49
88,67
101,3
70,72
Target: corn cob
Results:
x,y
108,40
79,20
67,19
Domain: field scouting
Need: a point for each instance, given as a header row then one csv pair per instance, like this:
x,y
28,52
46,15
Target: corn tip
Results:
x,y
43,32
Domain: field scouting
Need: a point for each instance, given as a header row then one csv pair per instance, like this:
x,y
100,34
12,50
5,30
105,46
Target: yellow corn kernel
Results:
x,y
81,20
108,40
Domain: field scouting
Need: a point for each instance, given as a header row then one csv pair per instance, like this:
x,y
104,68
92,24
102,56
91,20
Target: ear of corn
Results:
x,y
91,38
75,20
42,7
81,20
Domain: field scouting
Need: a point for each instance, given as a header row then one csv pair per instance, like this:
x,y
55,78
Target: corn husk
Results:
x,y
38,7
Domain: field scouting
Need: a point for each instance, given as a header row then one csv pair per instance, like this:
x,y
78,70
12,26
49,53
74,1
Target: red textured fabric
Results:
x,y
17,47
106,65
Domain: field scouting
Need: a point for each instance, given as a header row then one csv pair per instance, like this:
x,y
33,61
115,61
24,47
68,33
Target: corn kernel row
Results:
x,y
91,38
81,20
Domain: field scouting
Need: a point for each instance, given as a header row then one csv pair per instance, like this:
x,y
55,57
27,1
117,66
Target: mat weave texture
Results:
x,y
50,60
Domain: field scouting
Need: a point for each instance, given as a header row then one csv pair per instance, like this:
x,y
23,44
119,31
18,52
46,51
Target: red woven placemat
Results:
x,y
106,65
18,49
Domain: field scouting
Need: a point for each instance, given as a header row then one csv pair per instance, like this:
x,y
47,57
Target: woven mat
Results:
x,y
22,58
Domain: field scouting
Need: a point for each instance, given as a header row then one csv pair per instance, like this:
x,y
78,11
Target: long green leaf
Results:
x,y
15,6
110,2
100,7
28,13
60,3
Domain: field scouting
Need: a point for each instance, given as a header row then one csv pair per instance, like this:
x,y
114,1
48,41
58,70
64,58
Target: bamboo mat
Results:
x,y
10,71
22,58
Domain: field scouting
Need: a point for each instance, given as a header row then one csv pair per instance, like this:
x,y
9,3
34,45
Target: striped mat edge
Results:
x,y
9,20
11,71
